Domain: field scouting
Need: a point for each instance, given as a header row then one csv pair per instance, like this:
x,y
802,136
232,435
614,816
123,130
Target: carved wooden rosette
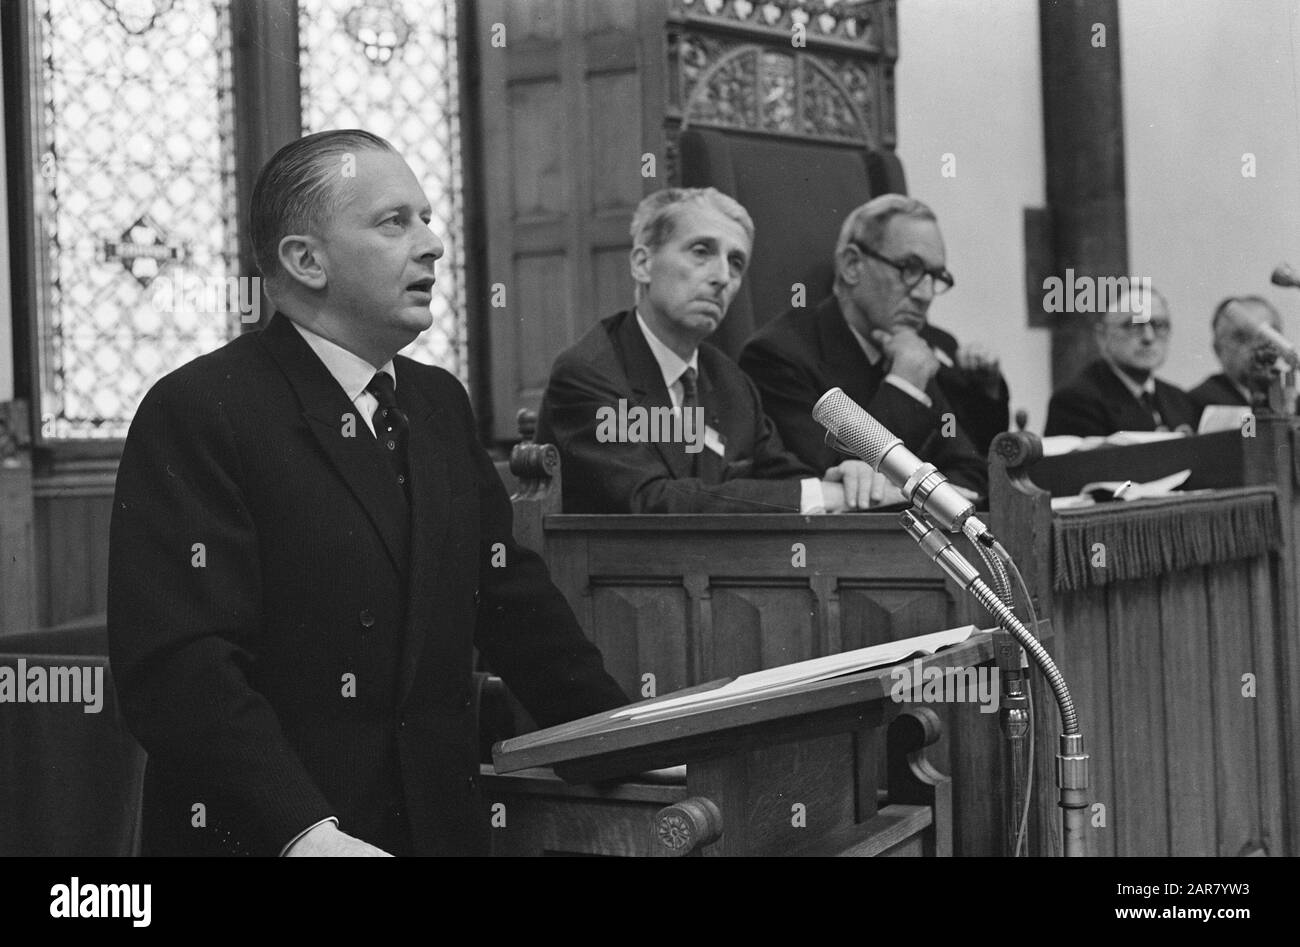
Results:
x,y
687,826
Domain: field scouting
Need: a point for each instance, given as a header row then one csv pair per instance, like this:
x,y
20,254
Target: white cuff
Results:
x,y
901,383
294,841
811,498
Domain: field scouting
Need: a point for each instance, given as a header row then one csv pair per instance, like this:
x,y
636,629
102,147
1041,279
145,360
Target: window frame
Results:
x,y
267,114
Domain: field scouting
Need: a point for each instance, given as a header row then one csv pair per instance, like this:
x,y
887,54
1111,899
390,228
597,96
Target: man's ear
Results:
x,y
300,261
639,264
848,266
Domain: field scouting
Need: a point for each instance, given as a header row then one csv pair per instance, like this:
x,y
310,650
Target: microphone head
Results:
x,y
1266,333
853,427
1285,275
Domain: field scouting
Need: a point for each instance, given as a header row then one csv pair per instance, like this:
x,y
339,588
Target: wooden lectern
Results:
x,y
836,767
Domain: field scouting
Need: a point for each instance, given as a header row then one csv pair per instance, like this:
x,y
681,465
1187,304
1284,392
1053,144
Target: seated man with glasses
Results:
x,y
1119,391
871,338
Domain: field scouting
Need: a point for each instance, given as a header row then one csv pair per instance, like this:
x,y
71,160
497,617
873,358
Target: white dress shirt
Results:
x,y
671,366
351,371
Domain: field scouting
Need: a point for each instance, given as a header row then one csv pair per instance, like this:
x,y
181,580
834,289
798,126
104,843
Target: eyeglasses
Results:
x,y
912,271
1159,327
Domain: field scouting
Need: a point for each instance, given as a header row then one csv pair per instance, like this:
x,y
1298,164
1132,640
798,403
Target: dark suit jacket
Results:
x,y
1216,389
612,362
1097,403
264,568
799,356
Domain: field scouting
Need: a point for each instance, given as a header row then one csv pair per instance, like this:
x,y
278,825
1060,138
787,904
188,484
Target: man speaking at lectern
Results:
x,y
308,543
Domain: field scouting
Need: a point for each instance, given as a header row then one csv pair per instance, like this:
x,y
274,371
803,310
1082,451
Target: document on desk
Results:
x,y
776,680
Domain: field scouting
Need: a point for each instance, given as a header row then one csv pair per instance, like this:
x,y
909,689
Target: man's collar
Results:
x,y
869,349
1136,390
350,370
670,363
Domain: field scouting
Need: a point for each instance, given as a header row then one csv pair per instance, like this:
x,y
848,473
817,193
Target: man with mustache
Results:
x,y
871,337
308,543
690,251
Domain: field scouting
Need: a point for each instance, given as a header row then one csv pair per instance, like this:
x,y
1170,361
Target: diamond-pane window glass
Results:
x,y
390,67
135,199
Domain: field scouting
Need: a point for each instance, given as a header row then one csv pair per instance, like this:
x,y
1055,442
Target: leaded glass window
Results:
x,y
390,67
135,193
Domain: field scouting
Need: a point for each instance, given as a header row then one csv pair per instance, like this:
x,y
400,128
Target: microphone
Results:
x,y
1285,275
920,483
1277,340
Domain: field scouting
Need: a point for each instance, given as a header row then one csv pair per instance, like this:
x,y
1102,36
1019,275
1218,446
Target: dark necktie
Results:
x,y
690,401
1148,400
391,427
690,390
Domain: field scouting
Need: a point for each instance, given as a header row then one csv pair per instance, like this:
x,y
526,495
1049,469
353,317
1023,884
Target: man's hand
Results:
x,y
909,355
326,841
982,366
860,487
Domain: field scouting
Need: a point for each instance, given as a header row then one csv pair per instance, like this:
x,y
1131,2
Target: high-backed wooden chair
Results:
x,y
798,192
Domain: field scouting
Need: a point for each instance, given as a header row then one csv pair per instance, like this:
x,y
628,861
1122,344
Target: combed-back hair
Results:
x,y
297,190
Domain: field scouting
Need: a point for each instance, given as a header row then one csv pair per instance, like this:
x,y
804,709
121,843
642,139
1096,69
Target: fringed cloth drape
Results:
x,y
1145,538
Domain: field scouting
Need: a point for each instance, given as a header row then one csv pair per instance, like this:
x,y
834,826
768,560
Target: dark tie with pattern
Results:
x,y
690,401
391,427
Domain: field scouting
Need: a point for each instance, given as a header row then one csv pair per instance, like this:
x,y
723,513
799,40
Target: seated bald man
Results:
x,y
1247,360
1119,391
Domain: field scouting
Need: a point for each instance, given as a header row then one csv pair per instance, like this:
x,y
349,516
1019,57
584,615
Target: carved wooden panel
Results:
x,y
564,108
799,68
643,628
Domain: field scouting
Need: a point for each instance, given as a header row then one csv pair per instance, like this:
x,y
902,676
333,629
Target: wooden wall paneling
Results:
x,y
1084,656
642,628
1138,721
72,520
1236,732
1273,457
1277,739
760,624
563,114
1189,713
18,566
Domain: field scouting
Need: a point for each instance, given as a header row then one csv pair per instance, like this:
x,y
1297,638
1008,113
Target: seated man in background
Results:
x,y
649,418
870,337
1246,359
1119,391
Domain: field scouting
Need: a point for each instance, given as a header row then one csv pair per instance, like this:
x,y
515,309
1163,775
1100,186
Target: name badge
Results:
x,y
715,441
